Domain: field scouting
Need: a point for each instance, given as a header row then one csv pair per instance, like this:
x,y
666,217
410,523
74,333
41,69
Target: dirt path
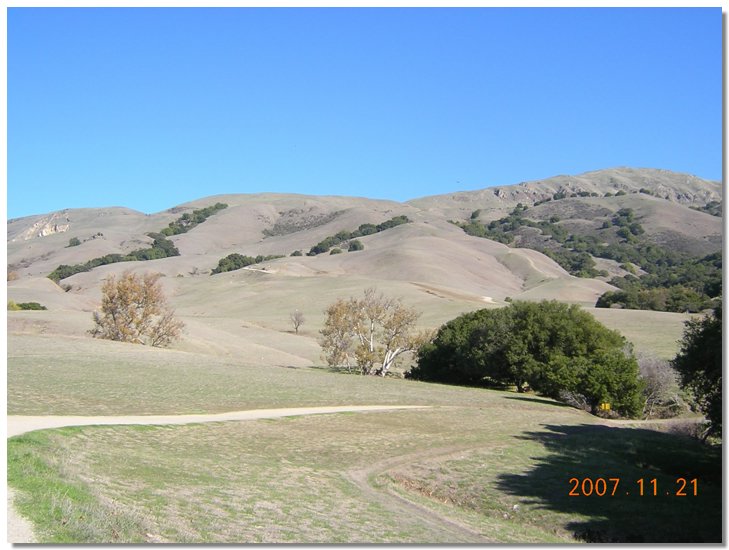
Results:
x,y
21,424
20,530
458,533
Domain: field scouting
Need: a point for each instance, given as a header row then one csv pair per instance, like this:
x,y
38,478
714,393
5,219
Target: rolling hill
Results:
x,y
466,464
430,262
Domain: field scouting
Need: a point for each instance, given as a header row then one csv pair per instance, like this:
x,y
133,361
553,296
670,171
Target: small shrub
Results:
x,y
335,251
355,245
73,241
25,306
296,253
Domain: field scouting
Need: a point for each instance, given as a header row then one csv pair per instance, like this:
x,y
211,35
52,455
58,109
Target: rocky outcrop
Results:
x,y
48,225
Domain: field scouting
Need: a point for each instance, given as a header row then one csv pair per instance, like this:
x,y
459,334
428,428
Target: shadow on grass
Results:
x,y
628,454
538,400
335,369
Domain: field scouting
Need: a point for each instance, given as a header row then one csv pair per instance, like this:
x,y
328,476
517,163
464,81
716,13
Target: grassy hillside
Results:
x,y
476,466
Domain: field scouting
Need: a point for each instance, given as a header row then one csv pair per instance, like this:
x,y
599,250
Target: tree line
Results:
x,y
161,246
189,220
362,231
236,261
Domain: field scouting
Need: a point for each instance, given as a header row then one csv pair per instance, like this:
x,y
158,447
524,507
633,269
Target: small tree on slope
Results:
x,y
134,309
373,330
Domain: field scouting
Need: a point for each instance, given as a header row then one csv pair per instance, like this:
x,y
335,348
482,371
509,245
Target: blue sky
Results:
x,y
149,108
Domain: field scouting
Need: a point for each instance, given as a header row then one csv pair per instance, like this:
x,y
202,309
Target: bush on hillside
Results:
x,y
25,306
355,245
549,347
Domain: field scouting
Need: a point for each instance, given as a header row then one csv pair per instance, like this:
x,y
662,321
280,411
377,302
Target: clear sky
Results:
x,y
150,108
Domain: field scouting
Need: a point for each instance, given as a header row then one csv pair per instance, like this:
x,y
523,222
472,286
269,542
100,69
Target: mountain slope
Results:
x,y
431,263
684,189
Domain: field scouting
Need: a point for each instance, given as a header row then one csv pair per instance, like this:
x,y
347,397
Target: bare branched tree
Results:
x,y
660,387
297,319
134,309
373,330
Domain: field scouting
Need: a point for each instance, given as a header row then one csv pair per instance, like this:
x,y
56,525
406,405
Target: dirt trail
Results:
x,y
21,424
20,530
459,533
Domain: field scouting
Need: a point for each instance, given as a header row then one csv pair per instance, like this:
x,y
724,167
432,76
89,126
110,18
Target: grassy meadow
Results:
x,y
478,466
494,471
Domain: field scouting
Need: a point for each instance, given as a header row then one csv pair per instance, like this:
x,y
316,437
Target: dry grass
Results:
x,y
50,375
657,332
496,470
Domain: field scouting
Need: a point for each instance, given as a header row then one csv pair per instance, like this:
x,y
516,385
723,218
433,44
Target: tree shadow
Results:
x,y
538,400
628,454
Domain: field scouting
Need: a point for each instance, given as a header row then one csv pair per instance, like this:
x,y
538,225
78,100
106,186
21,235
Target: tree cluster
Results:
x,y
712,207
236,261
563,248
676,299
161,248
628,227
371,332
673,281
189,220
362,231
134,309
555,349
